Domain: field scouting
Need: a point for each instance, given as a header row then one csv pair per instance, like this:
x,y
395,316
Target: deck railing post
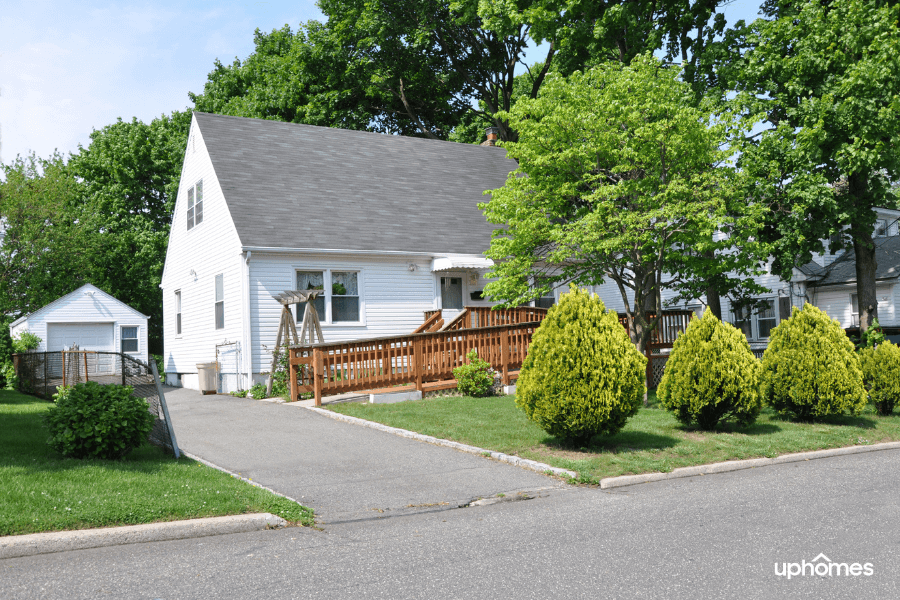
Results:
x,y
318,375
85,367
504,354
418,360
292,375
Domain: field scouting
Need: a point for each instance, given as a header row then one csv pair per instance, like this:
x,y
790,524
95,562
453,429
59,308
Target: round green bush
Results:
x,y
476,378
881,375
810,368
711,375
90,420
582,376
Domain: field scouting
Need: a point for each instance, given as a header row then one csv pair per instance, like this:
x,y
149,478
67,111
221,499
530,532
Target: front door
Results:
x,y
451,295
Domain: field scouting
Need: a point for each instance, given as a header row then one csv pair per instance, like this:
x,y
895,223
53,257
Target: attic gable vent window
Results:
x,y
195,205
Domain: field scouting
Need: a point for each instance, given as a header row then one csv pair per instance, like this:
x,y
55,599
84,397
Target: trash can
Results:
x,y
206,373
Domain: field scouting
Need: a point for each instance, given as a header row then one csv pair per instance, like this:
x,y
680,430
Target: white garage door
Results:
x,y
88,336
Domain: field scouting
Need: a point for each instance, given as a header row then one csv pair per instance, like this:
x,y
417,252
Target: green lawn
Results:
x,y
41,491
652,441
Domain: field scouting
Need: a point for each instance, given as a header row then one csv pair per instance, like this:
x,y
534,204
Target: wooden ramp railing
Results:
x,y
416,358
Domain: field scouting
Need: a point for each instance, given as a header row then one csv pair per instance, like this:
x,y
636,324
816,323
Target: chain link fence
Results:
x,y
40,373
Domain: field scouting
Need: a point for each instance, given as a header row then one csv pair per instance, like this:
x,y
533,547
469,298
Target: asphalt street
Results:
x,y
717,536
344,472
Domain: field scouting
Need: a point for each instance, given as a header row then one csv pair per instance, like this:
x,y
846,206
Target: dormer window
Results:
x,y
195,205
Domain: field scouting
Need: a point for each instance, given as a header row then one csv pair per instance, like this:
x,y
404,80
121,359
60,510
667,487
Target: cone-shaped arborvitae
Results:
x,y
711,375
582,376
811,369
881,375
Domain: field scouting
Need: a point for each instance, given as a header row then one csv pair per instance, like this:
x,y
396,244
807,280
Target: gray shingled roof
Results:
x,y
301,186
843,270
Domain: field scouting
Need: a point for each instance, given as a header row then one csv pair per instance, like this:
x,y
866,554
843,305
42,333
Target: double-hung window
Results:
x,y
195,205
220,302
757,322
743,320
340,301
178,312
766,319
130,339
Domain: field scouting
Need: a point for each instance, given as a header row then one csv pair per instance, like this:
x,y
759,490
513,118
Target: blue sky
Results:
x,y
67,68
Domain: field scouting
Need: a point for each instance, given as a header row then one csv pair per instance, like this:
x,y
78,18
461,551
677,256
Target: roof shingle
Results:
x,y
301,186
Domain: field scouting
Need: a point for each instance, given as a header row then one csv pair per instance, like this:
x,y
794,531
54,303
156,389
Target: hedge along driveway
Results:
x,y
651,441
41,491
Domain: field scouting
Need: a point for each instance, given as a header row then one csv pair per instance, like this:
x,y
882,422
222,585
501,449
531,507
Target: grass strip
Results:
x,y
41,491
652,441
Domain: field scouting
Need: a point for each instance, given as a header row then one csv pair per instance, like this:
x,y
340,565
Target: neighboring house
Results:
x,y
89,318
388,226
828,282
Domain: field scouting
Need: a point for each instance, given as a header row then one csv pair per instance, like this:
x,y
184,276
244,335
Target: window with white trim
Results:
x,y
341,302
757,322
195,205
177,312
129,339
220,302
881,228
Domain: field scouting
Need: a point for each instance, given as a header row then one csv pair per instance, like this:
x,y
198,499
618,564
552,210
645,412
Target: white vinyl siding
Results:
x,y
392,298
193,260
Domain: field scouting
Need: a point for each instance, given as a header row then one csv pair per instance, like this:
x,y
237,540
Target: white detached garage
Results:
x,y
89,318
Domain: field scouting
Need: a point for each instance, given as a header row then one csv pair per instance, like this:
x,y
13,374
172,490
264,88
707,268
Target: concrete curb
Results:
x,y
61,541
738,465
513,460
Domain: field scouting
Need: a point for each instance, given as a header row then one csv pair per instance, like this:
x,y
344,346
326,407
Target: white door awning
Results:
x,y
470,263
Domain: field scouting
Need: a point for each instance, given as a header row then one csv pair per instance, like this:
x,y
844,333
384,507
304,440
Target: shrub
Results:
x,y
881,375
711,375
582,376
90,420
239,393
476,378
810,368
258,391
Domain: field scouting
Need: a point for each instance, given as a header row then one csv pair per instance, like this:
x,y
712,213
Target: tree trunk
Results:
x,y
864,248
714,302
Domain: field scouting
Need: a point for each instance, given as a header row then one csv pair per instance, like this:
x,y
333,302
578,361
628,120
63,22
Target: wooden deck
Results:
x,y
425,359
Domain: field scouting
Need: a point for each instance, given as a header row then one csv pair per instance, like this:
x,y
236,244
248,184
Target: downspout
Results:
x,y
247,349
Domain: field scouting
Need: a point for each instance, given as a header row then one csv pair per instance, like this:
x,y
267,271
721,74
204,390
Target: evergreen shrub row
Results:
x,y
583,376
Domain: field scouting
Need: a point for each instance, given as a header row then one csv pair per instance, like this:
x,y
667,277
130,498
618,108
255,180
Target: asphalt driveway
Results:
x,y
344,472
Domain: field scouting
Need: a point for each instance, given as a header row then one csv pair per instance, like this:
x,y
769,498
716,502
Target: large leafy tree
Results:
x,y
44,250
130,173
822,76
432,68
619,174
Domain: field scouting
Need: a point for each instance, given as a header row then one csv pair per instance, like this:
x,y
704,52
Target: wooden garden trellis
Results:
x,y
310,328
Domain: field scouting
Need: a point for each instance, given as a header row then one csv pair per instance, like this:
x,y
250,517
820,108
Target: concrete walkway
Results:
x,y
344,472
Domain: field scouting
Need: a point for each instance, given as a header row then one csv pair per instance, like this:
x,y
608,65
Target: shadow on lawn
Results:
x,y
627,441
731,427
863,422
